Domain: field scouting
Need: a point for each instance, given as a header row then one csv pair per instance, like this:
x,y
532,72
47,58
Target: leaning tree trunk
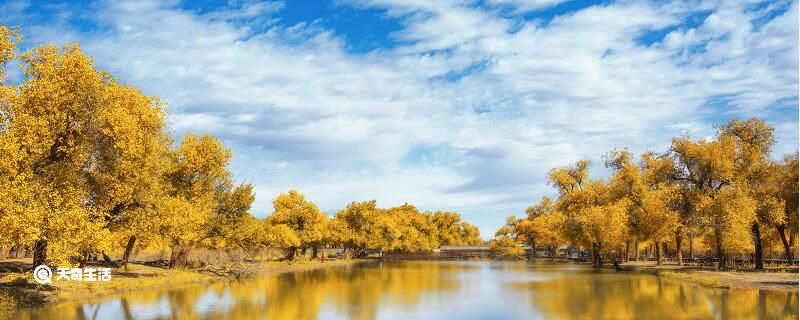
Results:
x,y
128,250
39,253
106,259
787,248
759,253
678,249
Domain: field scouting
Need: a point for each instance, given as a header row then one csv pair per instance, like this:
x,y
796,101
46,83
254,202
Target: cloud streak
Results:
x,y
470,106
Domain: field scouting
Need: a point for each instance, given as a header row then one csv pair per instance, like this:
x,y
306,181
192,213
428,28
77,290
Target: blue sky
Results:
x,y
449,105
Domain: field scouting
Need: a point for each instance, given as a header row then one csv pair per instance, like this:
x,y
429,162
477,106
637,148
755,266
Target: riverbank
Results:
x,y
18,289
776,279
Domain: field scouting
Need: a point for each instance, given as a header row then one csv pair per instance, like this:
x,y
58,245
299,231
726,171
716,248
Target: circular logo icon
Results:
x,y
42,274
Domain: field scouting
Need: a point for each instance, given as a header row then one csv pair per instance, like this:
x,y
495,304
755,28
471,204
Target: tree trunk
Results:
x,y
303,251
722,263
128,249
179,256
691,247
787,248
658,254
599,257
314,252
106,258
759,254
615,260
678,248
597,260
627,250
533,246
4,250
290,253
635,250
39,253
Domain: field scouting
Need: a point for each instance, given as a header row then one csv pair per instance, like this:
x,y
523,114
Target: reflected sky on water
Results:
x,y
437,290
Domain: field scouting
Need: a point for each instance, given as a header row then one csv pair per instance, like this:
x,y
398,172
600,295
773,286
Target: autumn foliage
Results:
x,y
725,192
89,167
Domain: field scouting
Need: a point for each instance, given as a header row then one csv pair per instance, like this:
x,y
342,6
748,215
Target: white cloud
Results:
x,y
467,113
526,5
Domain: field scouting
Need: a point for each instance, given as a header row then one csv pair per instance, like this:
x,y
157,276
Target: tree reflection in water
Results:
x,y
464,290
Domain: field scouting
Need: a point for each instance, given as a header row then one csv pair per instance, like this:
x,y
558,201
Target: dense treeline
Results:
x,y
89,167
725,192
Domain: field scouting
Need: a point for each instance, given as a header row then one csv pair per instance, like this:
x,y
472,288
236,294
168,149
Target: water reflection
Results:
x,y
437,290
590,294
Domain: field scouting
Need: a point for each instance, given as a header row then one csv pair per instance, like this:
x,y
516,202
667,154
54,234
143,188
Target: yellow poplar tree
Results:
x,y
753,140
719,195
647,188
605,228
452,230
788,192
293,210
360,220
542,226
199,167
49,137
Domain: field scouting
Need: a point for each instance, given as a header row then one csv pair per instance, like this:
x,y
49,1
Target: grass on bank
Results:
x,y
706,279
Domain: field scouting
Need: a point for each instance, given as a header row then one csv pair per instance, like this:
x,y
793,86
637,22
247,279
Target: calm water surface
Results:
x,y
438,290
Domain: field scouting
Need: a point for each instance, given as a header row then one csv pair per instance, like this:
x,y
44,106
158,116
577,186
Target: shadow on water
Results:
x,y
437,290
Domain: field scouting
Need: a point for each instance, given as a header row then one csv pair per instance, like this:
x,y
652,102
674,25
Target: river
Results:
x,y
437,290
